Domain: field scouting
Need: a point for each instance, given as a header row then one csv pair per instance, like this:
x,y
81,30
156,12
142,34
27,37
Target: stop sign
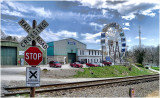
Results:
x,y
33,56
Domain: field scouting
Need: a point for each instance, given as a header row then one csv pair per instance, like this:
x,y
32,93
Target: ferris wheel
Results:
x,y
113,43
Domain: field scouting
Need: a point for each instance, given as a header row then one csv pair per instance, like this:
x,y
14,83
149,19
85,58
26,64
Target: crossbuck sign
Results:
x,y
33,34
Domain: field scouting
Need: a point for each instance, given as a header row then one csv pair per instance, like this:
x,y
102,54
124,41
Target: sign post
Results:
x,y
32,89
132,92
33,56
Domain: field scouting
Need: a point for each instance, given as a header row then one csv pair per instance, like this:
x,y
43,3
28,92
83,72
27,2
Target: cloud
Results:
x,y
129,16
125,28
49,36
67,34
126,24
91,38
52,36
40,11
104,12
13,13
21,10
91,41
148,13
142,38
127,9
94,3
96,25
129,40
17,6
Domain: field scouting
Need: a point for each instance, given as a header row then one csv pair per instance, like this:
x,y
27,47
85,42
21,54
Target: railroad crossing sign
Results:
x,y
32,76
33,34
33,56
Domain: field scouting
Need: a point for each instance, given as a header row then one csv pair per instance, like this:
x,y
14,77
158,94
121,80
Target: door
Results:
x,y
8,55
71,57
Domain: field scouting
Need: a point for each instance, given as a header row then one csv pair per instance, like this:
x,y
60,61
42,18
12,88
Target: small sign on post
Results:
x,y
33,76
131,92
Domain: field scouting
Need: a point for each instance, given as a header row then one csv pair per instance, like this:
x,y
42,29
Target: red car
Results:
x,y
54,64
76,64
92,64
107,63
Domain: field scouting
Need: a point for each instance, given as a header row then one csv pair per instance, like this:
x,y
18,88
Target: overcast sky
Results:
x,y
84,19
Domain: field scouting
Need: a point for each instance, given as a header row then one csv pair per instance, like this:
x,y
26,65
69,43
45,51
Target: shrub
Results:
x,y
140,65
45,70
147,67
130,68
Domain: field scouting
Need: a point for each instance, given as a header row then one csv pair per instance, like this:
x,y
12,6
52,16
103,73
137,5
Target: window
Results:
x,y
88,60
95,52
89,52
97,60
98,52
92,52
91,60
80,52
83,52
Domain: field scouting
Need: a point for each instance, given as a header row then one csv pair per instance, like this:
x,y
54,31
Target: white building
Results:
x,y
89,55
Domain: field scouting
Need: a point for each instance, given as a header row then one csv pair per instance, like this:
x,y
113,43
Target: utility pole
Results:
x,y
139,37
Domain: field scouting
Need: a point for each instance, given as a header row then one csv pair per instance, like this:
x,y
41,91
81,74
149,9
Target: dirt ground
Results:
x,y
154,94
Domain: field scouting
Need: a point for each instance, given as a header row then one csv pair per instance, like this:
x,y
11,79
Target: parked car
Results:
x,y
81,62
108,63
54,64
76,64
92,64
99,64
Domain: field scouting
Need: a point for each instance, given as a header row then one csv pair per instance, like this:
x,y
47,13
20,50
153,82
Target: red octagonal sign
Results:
x,y
33,56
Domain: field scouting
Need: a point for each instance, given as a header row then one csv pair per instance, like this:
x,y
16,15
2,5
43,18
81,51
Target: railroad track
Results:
x,y
12,91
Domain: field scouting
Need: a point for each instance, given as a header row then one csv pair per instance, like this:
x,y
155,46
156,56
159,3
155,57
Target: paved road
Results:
x,y
154,70
15,73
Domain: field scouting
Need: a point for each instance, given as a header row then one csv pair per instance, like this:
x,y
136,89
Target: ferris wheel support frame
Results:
x,y
112,48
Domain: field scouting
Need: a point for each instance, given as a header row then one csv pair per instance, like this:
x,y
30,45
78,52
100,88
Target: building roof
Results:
x,y
66,39
9,41
90,49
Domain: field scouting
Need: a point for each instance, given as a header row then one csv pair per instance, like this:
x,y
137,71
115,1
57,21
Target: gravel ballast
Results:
x,y
141,90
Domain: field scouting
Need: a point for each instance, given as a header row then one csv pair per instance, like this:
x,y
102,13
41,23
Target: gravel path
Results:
x,y
154,70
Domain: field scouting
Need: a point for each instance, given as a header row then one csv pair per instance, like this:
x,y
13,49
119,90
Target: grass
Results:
x,y
155,68
111,71
23,95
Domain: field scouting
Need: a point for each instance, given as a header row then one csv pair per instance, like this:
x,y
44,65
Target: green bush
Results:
x,y
140,65
45,70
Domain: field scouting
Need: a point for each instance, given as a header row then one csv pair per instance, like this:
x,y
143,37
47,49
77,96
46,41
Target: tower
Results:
x,y
139,37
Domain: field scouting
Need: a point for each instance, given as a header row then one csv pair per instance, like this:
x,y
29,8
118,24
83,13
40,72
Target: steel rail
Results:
x,y
71,83
129,80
